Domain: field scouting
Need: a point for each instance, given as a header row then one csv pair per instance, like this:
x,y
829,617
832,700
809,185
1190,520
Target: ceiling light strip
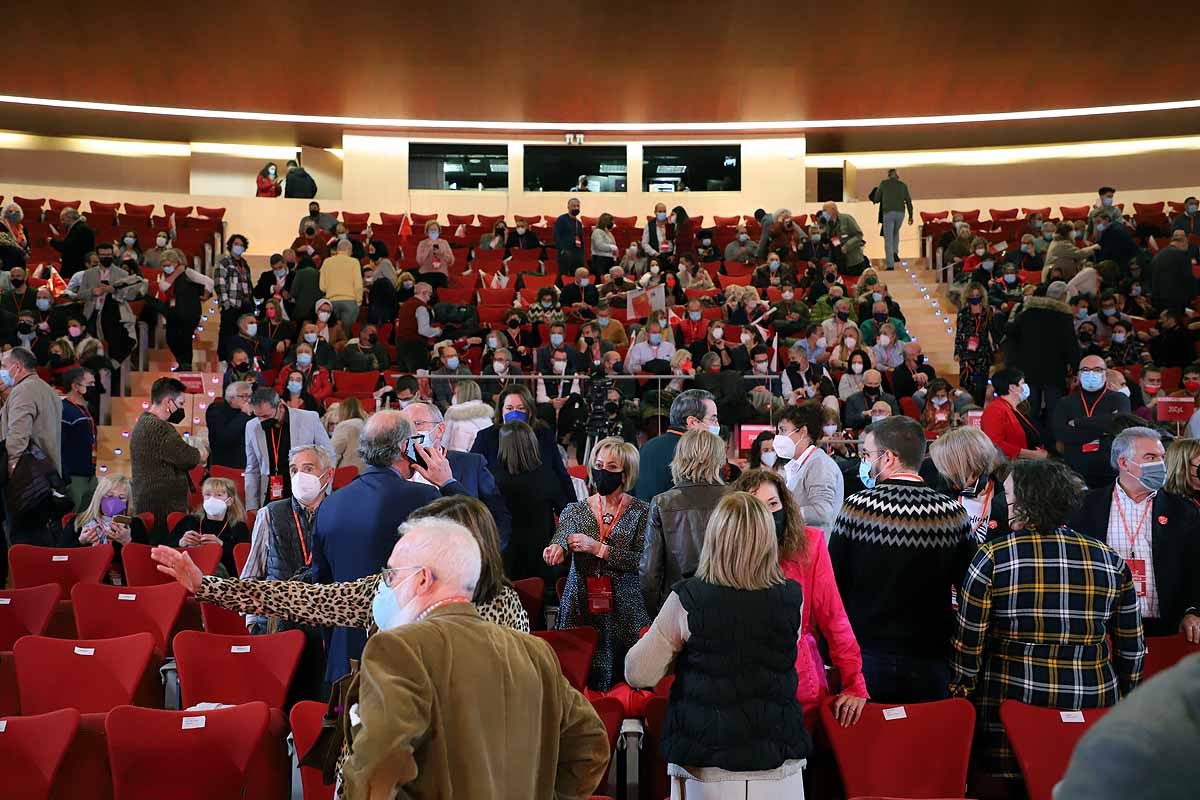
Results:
x,y
648,127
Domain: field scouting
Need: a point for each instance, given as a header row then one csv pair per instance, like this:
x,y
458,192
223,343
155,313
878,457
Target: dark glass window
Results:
x,y
559,168
693,168
458,166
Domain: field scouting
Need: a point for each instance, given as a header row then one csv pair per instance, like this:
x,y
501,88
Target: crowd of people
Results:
x,y
922,535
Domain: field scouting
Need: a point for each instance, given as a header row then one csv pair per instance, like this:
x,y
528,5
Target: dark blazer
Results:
x,y
487,444
1174,544
471,471
573,293
79,241
353,536
226,435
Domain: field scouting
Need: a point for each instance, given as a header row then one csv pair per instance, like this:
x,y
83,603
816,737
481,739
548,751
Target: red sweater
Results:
x,y
1001,425
822,607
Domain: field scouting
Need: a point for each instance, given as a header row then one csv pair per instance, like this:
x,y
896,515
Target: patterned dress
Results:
x,y
973,365
1033,620
619,629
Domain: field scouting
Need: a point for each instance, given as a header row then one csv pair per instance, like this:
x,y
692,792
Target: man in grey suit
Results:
x,y
270,436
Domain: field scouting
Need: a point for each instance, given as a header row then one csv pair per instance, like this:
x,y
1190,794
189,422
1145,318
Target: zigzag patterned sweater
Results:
x,y
897,551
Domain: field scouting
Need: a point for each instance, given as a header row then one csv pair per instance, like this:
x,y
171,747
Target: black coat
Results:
x,y
299,184
487,444
1080,433
1175,547
79,241
1171,278
1117,245
533,499
1041,342
226,435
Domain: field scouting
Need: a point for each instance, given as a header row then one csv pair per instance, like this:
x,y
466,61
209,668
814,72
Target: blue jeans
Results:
x,y
893,678
347,312
892,220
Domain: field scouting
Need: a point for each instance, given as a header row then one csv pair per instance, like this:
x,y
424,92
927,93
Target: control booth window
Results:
x,y
458,166
692,168
566,168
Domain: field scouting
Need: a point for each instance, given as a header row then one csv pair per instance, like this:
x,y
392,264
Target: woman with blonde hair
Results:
x,y
804,558
967,461
1183,469
98,524
604,536
346,433
729,634
848,343
679,515
466,417
604,246
219,519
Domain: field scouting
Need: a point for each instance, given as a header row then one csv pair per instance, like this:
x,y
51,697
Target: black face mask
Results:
x,y
105,261
870,391
574,212
780,524
830,277
1084,336
589,340
268,425
176,416
920,359
607,482
372,339
310,231
25,328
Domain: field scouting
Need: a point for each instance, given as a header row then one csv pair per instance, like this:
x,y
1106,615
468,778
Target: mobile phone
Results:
x,y
123,519
410,451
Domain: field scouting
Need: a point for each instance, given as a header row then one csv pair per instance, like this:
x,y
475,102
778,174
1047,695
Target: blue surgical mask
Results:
x,y
1047,236
583,282
6,377
311,338
1025,248
715,430
1118,338
1108,201
774,265
294,387
1100,227
433,235
661,216
1010,278
385,608
694,316
252,329
988,265
516,415
742,237
1024,392
304,359
876,296
43,304
237,250
1154,476
603,321
655,338
556,339
452,362
864,474
816,237
1191,208
1081,313
1092,381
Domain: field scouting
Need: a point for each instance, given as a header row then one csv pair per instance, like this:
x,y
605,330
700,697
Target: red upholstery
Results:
x,y
114,670
241,551
104,208
134,210
462,297
58,205
105,612
175,517
531,281
33,566
1043,743
1148,208
1029,212
909,408
875,755
221,621
612,714
726,221
346,382
25,612
237,476
997,214
32,750
971,217
725,281
1072,213
532,592
461,219
391,219
211,213
10,696
1162,652
356,218
32,207
574,648
179,211
419,220
211,670
306,724
141,570
933,216
147,749
738,269
651,764
497,297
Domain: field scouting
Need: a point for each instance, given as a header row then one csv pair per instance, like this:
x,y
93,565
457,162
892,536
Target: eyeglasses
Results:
x,y
389,574
1095,370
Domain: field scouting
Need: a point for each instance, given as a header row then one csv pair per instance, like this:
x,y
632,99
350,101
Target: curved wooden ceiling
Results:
x,y
611,62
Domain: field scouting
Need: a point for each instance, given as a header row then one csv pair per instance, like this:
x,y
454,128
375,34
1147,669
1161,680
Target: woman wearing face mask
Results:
x,y
178,295
834,440
857,363
1066,253
966,462
97,524
129,252
1007,421
329,328
546,308
804,558
496,239
939,411
763,455
602,539
347,418
1044,600
604,246
434,256
533,496
888,352
515,403
847,342
693,276
318,380
219,519
152,256
12,226
295,394
974,345
810,474
268,183
839,320
466,417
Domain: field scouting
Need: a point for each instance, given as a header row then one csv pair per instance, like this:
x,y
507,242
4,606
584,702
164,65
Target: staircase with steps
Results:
x,y
927,312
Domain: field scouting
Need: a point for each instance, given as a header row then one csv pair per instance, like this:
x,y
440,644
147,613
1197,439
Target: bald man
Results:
x,y
859,404
1081,421
847,239
355,528
568,239
452,706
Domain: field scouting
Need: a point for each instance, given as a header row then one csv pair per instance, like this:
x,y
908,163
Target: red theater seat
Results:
x,y
134,210
115,669
574,648
997,214
1043,740
106,612
532,592
26,612
34,566
141,570
306,719
934,216
1072,213
32,750
1162,653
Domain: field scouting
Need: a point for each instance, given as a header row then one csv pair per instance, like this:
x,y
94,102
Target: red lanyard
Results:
x,y
606,528
300,535
1088,411
1131,535
273,438
807,455
908,475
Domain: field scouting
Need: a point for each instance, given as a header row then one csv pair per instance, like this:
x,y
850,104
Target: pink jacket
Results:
x,y
822,606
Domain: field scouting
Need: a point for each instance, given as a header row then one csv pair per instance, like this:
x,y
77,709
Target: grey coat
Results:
x,y
304,427
32,415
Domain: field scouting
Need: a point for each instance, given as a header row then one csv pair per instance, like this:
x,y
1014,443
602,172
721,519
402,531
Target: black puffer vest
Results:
x,y
733,704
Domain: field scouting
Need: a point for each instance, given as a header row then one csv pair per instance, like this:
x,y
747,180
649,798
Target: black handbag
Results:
x,y
33,481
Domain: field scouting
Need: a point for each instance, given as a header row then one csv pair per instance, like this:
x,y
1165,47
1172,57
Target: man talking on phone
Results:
x,y
356,526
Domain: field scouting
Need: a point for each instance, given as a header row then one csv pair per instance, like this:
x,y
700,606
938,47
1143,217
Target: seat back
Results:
x,y
91,675
532,592
66,566
104,612
306,720
574,648
1043,740
237,669
241,552
343,475
1162,652
215,619
32,749
653,767
875,756
347,382
25,612
147,748
141,570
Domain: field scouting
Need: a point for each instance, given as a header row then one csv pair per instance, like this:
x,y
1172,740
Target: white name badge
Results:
x,y
895,713
1071,716
240,648
190,723
85,651
60,558
127,597
5,601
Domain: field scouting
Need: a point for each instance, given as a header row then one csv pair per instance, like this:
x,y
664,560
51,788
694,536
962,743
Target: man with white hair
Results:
x,y
226,424
356,527
449,705
342,283
844,232
1153,530
75,245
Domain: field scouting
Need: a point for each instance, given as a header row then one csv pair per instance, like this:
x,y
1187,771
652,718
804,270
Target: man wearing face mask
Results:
x,y
231,282
694,408
1105,204
106,291
365,353
655,347
568,239
20,297
442,378
1174,284
356,525
521,237
859,403
614,290
414,329
1153,530
159,458
270,436
812,476
1189,220
898,549
75,245
1081,421
437,658
581,294
248,338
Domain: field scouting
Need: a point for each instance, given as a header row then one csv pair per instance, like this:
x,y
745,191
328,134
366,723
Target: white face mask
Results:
x,y
784,446
161,241
306,486
829,430
718,334
323,316
215,507
856,367
850,342
769,458
884,341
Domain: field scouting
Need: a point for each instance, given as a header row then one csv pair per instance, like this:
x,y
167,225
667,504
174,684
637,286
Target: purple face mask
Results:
x,y
110,506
